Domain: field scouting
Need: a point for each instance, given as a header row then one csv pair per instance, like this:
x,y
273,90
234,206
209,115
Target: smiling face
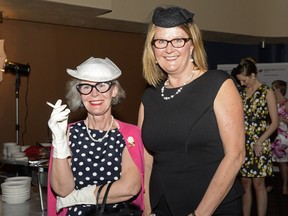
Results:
x,y
98,103
171,59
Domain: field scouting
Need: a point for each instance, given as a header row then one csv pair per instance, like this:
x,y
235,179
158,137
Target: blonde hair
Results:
x,y
152,73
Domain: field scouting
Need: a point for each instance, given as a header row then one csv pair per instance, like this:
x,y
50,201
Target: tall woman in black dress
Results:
x,y
192,124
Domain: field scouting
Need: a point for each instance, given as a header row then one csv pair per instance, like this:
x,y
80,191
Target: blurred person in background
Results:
x,y
280,144
261,120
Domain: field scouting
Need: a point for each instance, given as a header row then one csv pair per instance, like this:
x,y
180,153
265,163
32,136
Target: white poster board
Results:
x,y
267,72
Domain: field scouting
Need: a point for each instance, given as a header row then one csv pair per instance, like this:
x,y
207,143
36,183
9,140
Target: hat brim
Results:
x,y
91,77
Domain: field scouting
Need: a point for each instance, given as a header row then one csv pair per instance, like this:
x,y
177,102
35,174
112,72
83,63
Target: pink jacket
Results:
x,y
136,151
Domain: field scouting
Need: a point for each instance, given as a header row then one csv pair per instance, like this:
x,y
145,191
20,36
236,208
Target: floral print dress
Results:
x,y
256,122
280,144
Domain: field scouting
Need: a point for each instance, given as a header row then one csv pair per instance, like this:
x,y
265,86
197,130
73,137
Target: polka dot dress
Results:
x,y
94,162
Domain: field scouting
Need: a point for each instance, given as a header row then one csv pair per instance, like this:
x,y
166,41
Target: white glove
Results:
x,y
58,126
78,197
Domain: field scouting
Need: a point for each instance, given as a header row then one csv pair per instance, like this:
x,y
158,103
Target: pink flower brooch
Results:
x,y
131,141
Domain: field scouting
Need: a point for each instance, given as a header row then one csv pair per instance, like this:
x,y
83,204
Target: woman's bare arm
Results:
x,y
230,118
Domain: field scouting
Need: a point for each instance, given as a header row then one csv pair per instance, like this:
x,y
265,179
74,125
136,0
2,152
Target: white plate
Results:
x,y
45,144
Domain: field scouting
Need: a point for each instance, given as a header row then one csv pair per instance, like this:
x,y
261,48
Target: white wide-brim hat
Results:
x,y
96,70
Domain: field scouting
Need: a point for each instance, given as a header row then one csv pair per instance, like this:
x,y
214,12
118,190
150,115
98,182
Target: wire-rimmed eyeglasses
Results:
x,y
176,43
102,87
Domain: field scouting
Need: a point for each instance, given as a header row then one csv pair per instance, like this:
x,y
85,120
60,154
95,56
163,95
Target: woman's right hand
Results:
x,y
58,125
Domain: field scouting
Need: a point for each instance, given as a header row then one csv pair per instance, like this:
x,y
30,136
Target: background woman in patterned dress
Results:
x,y
261,120
280,144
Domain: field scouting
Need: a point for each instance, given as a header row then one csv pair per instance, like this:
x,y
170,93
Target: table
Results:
x,y
34,163
42,168
28,208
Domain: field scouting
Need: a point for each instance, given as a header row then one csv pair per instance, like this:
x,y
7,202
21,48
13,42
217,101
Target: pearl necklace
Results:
x,y
100,139
178,90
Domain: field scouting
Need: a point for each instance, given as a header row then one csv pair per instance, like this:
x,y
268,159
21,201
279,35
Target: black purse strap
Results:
x,y
98,195
104,198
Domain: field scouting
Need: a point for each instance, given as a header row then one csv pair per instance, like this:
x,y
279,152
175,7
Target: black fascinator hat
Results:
x,y
171,17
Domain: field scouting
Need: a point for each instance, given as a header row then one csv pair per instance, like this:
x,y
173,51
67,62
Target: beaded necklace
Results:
x,y
100,139
178,90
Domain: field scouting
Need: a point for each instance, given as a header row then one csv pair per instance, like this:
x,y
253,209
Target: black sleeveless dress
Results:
x,y
183,137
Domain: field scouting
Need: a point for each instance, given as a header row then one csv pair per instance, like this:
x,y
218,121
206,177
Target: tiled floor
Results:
x,y
277,203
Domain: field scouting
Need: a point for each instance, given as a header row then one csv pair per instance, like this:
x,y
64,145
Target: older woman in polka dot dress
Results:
x,y
99,149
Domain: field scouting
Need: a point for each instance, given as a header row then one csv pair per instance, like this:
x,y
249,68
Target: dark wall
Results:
x,y
50,49
228,53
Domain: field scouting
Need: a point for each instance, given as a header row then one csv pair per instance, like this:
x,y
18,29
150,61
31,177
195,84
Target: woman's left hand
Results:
x,y
258,149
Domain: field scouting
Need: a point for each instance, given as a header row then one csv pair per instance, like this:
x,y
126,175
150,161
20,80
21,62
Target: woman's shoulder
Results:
x,y
151,92
214,78
124,127
265,88
76,123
